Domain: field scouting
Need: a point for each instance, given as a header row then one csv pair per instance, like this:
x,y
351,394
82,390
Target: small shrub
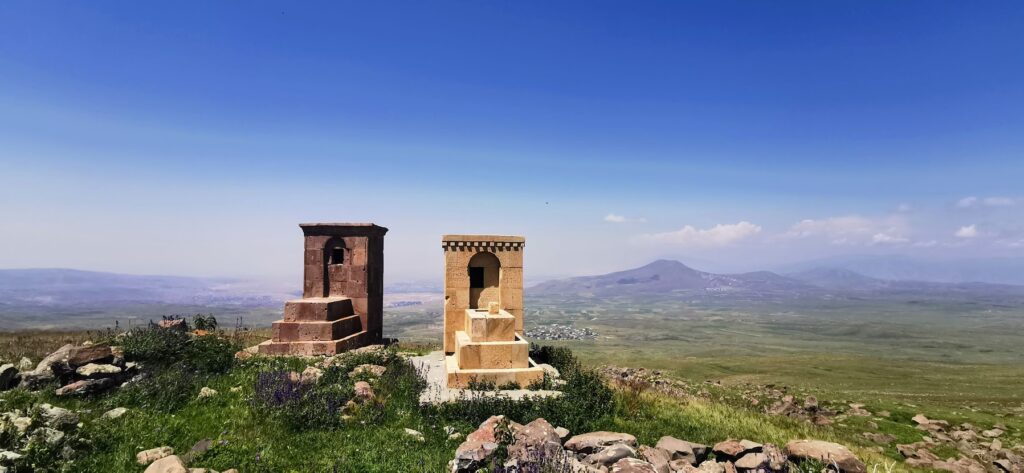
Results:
x,y
154,346
210,354
299,406
204,322
162,390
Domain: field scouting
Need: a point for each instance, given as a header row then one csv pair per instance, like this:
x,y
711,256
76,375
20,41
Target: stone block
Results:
x,y
321,309
511,298
511,277
315,331
485,327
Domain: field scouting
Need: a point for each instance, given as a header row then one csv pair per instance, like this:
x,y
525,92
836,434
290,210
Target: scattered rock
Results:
x,y
48,435
992,433
146,457
732,449
828,452
24,364
882,439
363,391
198,450
415,434
310,375
596,441
372,370
114,413
535,442
167,464
173,324
549,370
562,432
206,392
98,354
54,416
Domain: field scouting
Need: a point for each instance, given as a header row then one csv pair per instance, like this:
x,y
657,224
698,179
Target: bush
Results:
x,y
204,322
158,348
299,406
210,354
164,390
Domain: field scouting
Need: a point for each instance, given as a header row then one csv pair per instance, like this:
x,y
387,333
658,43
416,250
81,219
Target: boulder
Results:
x,y
596,441
9,376
99,354
610,454
732,449
48,436
43,372
768,458
657,457
57,417
168,464
24,364
677,449
146,457
632,465
311,375
833,454
992,433
562,432
93,370
173,324
480,446
549,370
536,442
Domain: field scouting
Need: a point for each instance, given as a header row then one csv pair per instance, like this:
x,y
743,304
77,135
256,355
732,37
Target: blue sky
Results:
x,y
191,138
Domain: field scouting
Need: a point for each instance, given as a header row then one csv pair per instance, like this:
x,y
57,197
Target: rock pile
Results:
x,y
163,459
978,450
80,370
45,427
502,445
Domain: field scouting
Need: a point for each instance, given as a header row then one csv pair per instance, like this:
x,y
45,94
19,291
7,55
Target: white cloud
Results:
x,y
614,218
999,201
926,244
718,235
853,230
886,238
966,202
995,201
970,231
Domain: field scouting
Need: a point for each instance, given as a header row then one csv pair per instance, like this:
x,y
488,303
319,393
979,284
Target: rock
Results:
x,y
57,417
114,413
8,377
93,370
368,369
363,391
43,372
310,375
677,449
167,464
920,419
858,410
811,403
596,441
562,432
732,449
1004,465
21,423
535,442
86,386
48,436
415,434
206,392
610,454
454,436
247,353
24,364
883,439
9,456
99,354
198,450
751,461
173,324
659,458
632,465
827,452
146,457
993,433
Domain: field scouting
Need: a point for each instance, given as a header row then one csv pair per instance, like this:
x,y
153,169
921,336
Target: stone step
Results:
x,y
484,327
314,348
310,331
491,355
321,309
460,378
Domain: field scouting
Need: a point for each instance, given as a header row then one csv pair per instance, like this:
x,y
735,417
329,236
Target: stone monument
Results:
x,y
483,312
342,303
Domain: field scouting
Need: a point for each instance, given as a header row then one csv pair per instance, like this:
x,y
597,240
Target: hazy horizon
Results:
x,y
145,139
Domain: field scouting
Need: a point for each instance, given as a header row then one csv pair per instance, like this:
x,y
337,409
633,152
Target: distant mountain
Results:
x,y
906,268
71,287
666,276
835,278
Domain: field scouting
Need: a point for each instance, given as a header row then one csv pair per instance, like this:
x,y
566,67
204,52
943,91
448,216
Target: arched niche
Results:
x,y
484,276
336,255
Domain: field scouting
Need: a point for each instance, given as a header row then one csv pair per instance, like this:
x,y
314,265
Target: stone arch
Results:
x,y
484,275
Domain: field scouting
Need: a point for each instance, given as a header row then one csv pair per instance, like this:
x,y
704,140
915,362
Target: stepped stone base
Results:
x,y
314,348
460,378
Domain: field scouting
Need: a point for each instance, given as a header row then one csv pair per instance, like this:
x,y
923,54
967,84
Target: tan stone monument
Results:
x,y
483,311
342,303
